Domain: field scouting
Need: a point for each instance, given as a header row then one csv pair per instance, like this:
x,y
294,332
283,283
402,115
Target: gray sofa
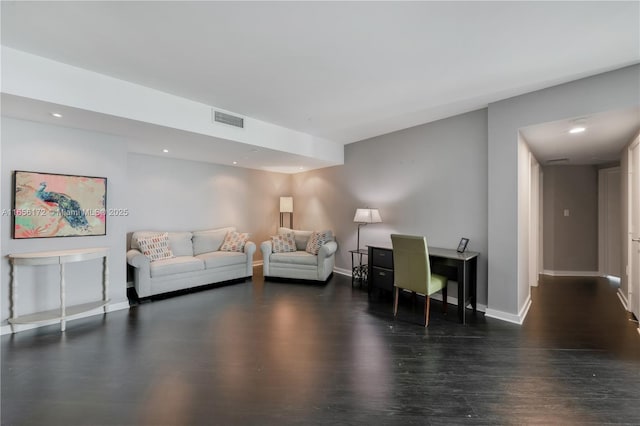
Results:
x,y
197,261
299,265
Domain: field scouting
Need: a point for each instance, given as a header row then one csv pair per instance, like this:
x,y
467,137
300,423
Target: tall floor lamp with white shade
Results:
x,y
286,206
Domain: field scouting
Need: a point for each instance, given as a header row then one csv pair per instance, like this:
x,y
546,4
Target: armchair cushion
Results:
x,y
295,258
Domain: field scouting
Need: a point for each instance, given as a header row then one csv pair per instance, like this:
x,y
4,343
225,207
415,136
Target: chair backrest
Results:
x,y
411,269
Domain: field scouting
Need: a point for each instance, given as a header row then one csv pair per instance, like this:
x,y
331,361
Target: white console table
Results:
x,y
61,258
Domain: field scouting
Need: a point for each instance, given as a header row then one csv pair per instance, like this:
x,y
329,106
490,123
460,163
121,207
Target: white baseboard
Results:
x,y
342,271
6,329
571,273
505,316
623,300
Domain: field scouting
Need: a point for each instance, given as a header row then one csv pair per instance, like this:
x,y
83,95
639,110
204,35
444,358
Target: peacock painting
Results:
x,y
55,205
69,208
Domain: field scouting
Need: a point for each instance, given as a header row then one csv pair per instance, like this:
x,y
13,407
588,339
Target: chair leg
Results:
x,y
426,310
395,304
444,299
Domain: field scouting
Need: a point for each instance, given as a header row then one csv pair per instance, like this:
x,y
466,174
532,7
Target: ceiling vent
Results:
x,y
556,161
229,119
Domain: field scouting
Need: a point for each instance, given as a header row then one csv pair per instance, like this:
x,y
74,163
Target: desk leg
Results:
x,y
462,291
473,282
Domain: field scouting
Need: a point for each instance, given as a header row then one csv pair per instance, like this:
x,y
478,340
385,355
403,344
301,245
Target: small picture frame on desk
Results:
x,y
462,246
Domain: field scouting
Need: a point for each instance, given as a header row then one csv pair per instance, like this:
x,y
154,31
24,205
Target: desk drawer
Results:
x,y
381,257
382,278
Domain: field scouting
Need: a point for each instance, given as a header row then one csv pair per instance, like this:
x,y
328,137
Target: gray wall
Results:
x,y
604,92
427,180
45,148
570,242
181,195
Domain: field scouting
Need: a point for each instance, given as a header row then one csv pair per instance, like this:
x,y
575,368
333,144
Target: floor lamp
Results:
x,y
365,216
286,206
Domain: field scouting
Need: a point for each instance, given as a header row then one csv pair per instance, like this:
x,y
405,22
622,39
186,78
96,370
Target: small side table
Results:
x,y
359,270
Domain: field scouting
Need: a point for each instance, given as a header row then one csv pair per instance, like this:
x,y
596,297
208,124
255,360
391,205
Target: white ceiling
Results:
x,y
605,136
343,71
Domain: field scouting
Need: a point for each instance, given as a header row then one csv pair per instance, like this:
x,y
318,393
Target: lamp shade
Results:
x,y
367,216
286,204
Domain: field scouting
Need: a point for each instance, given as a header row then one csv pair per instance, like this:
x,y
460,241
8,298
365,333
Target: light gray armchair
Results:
x,y
300,264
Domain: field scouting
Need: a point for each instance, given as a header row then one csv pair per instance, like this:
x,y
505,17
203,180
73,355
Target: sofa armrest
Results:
x,y
327,249
136,259
326,259
266,247
141,272
249,250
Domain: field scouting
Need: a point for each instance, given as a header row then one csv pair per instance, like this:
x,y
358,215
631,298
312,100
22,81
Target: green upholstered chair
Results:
x,y
412,271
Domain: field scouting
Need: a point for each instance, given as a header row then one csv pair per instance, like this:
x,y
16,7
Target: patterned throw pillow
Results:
x,y
155,247
283,243
234,241
317,240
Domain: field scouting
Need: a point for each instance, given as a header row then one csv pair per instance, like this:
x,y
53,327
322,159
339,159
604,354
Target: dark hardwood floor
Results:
x,y
274,353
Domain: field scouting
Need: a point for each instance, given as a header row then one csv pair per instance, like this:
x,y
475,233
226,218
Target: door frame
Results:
x,y
633,173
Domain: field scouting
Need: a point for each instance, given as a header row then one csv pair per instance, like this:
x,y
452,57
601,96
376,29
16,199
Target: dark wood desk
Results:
x,y
459,267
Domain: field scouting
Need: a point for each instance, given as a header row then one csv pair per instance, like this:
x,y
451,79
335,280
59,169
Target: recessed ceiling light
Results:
x,y
577,130
235,162
165,150
56,114
301,168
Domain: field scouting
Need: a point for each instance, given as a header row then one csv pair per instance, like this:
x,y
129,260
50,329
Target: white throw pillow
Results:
x,y
234,241
155,247
283,243
317,240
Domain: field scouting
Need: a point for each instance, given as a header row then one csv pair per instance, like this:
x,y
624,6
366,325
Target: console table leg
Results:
x,y
63,322
14,295
105,282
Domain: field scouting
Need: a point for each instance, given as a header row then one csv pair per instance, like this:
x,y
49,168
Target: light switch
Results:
x,y
566,212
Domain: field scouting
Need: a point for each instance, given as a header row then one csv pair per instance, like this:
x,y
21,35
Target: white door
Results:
x,y
634,231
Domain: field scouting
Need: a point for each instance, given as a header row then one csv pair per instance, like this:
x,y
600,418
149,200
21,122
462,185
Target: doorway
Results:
x,y
610,240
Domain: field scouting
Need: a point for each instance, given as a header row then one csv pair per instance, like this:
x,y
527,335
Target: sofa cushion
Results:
x,y
283,243
180,243
222,258
302,237
155,247
209,240
235,241
176,265
317,240
297,257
